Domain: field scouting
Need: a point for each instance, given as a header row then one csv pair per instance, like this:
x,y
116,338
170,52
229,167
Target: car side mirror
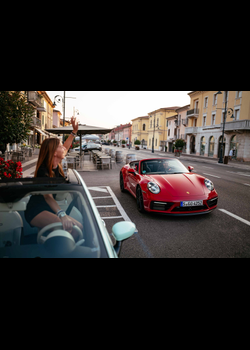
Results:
x,y
190,168
122,231
131,171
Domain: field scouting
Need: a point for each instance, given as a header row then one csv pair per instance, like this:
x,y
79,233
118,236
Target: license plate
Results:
x,y
191,203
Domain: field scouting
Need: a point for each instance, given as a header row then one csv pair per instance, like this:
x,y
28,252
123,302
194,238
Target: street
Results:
x,y
224,233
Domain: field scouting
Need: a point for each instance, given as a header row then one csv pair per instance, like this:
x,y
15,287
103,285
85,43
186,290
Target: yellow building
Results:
x,y
158,128
140,130
204,123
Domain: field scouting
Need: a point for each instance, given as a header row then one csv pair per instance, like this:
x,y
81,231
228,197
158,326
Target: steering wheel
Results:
x,y
41,238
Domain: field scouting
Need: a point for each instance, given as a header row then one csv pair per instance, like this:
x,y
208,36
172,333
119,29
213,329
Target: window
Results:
x,y
204,120
213,119
215,100
238,94
150,124
144,127
156,142
237,114
205,102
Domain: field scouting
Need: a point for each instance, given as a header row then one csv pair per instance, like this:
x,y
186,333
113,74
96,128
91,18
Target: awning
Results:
x,y
82,130
41,132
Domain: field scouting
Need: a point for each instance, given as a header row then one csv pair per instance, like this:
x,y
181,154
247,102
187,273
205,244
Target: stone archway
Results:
x,y
192,145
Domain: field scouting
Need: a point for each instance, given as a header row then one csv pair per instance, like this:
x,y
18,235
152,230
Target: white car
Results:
x,y
19,240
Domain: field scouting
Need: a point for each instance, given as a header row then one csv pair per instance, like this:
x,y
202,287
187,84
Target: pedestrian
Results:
x,y
230,154
44,210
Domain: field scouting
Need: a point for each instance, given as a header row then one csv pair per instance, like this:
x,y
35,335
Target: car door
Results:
x,y
133,179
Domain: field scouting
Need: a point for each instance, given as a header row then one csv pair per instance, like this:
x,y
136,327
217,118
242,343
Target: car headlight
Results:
x,y
209,184
154,188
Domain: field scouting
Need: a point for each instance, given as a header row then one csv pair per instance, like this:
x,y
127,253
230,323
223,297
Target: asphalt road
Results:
x,y
224,233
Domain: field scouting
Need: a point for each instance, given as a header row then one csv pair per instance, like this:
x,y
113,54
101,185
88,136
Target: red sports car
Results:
x,y
165,185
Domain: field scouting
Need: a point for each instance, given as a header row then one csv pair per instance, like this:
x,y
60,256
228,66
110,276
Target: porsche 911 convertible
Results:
x,y
165,185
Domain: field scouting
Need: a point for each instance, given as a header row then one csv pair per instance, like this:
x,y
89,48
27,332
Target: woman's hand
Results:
x,y
74,124
67,223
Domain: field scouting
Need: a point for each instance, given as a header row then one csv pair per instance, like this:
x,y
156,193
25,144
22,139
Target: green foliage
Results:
x,y
15,117
179,143
137,142
123,142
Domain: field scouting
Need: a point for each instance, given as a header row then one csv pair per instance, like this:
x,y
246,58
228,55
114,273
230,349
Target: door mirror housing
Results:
x,y
122,231
190,168
131,171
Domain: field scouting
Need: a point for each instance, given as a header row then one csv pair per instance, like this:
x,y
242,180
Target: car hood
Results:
x,y
179,185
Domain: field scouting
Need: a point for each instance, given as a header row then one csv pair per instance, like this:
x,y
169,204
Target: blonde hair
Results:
x,y
46,155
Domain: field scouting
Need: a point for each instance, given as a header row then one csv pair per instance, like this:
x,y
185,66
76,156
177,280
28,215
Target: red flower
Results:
x,y
5,174
19,164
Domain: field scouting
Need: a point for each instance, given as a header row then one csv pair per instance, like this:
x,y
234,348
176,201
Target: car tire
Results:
x,y
122,183
139,200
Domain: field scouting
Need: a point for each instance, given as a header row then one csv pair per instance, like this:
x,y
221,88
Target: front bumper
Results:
x,y
174,208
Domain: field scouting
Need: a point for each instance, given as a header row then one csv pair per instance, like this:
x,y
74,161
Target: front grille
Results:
x,y
212,202
181,209
161,206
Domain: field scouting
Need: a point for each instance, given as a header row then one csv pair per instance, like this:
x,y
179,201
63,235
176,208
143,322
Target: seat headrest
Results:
x,y
7,207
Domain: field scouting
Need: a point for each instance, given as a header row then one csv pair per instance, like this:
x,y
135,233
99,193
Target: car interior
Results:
x,y
15,231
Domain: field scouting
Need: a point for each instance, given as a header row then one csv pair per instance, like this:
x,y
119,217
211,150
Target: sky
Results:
x,y
111,108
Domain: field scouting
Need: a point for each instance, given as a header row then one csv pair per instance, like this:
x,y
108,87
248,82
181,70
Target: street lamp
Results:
x,y
57,99
224,121
153,141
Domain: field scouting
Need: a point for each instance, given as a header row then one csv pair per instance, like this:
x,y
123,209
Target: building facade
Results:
x,y
140,130
204,124
158,127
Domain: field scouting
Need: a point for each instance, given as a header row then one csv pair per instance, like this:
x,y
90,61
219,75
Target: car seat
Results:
x,y
11,225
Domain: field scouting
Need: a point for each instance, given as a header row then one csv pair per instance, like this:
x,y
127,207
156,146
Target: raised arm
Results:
x,y
70,139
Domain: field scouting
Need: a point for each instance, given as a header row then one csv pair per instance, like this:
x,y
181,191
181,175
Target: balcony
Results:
x,y
35,99
193,113
36,122
191,130
237,125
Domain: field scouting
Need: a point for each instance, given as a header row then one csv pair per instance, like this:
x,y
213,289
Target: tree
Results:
x,y
15,117
179,143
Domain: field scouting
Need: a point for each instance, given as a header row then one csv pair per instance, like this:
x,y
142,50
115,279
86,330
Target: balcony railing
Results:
x,y
237,125
36,122
35,98
191,130
193,112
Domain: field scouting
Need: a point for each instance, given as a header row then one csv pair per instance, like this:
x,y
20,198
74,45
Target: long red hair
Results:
x,y
46,155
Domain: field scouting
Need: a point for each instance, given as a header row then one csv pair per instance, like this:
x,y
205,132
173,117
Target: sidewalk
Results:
x,y
194,157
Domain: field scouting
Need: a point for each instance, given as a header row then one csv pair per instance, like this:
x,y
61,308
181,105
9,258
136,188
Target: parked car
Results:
x,y
89,147
166,186
19,240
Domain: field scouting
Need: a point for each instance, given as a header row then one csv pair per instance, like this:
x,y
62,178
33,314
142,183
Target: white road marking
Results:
x,y
208,167
235,216
111,217
118,204
238,173
212,175
101,197
105,206
98,189
246,184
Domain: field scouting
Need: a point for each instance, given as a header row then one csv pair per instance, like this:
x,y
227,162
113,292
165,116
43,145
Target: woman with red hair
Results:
x,y
44,210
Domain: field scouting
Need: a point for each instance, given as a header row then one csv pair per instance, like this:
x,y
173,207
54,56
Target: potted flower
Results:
x,y
137,143
179,144
10,169
123,143
37,149
114,142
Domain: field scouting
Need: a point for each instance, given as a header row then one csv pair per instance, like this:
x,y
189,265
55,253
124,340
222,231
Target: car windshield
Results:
x,y
162,166
19,238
